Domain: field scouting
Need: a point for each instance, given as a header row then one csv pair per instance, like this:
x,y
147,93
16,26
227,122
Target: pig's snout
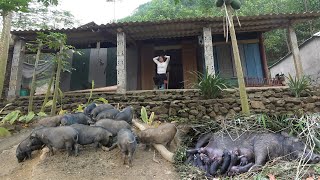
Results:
x,y
311,157
315,159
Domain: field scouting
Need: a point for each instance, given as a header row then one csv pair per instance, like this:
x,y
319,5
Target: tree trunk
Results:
x,y
161,149
48,90
285,35
57,84
4,47
242,88
310,21
33,82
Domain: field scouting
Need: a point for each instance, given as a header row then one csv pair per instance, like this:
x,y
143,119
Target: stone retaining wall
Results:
x,y
189,104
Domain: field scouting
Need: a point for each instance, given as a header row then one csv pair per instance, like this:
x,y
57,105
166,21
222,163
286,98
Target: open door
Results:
x,y
175,68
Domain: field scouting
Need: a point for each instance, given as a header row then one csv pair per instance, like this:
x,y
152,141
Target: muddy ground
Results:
x,y
88,165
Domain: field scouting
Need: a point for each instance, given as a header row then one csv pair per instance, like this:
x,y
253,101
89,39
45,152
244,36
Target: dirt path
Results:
x,y
88,165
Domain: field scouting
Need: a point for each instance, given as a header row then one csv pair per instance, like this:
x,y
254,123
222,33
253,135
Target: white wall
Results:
x,y
310,58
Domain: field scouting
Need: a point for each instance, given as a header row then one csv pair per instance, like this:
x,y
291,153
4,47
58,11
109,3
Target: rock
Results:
x,y
268,93
310,100
220,118
294,100
201,108
257,105
224,110
227,106
317,104
184,114
209,110
174,103
206,117
216,108
280,109
163,116
310,106
271,107
172,112
160,110
199,116
251,96
281,102
237,109
266,101
194,112
212,114
190,105
44,153
231,114
192,117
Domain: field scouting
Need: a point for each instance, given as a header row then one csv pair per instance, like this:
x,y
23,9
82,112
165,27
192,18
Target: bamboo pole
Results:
x,y
242,88
56,87
33,82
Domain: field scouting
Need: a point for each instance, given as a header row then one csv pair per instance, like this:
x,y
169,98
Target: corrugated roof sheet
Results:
x,y
316,35
183,26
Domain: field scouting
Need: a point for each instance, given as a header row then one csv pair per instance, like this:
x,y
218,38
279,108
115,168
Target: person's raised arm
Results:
x,y
168,59
156,59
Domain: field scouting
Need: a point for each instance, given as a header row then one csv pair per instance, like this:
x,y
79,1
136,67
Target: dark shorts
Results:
x,y
159,79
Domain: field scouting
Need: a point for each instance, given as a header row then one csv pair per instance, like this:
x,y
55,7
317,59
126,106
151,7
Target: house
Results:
x,y
121,53
310,59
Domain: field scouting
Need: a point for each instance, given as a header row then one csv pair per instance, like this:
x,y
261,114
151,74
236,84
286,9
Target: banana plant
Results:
x,y
144,116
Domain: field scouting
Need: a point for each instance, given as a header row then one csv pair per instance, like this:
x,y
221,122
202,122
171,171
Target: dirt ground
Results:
x,y
88,165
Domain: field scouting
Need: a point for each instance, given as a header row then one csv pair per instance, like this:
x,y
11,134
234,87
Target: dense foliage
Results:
x,y
40,17
276,41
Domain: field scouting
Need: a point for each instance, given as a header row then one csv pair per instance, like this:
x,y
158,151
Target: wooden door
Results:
x,y
189,63
147,67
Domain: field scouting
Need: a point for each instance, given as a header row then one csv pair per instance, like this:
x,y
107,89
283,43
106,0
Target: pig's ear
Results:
x,y
32,135
285,134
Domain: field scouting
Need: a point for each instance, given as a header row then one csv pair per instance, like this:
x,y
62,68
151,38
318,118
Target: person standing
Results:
x,y
162,64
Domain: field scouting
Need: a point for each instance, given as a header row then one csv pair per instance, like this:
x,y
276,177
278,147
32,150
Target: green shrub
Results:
x,y
210,85
297,85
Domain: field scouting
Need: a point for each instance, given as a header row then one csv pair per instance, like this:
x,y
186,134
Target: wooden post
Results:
x,y
263,57
121,62
208,50
16,69
235,48
295,51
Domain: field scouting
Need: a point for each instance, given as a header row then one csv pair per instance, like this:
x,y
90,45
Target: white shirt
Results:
x,y
162,67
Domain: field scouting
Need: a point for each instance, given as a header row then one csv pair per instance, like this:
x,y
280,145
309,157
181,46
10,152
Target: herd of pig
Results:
x,y
218,153
228,154
100,125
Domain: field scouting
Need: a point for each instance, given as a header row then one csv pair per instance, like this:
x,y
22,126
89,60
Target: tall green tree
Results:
x,y
41,17
7,7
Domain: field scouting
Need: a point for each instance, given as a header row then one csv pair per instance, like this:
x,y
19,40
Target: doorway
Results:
x,y
80,76
175,68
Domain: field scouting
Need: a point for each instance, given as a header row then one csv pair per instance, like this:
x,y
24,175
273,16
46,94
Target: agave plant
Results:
x,y
297,85
210,85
